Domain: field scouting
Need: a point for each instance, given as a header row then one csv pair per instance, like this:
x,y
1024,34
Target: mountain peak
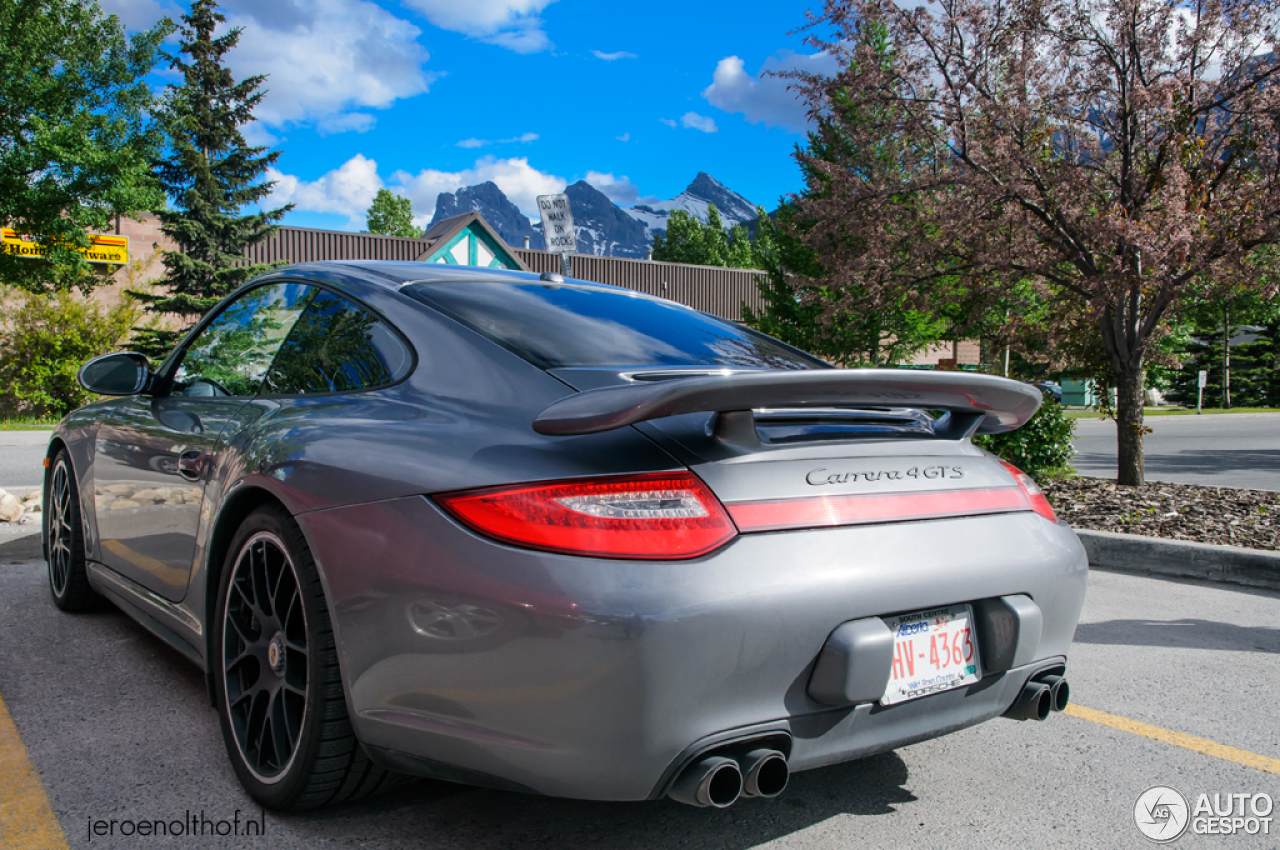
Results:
x,y
603,227
704,184
490,201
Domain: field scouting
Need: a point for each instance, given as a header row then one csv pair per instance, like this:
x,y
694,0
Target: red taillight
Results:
x,y
651,516
1039,503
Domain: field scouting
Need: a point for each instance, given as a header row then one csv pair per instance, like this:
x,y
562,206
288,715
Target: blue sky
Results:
x,y
424,96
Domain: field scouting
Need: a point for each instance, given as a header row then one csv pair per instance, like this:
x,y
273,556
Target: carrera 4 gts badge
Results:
x,y
821,476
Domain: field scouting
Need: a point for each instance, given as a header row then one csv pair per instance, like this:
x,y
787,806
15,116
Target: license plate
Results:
x,y
932,651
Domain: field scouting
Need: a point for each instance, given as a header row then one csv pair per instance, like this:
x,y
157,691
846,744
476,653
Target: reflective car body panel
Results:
x,y
591,665
470,659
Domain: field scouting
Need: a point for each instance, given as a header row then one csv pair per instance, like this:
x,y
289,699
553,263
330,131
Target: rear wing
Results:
x,y
976,403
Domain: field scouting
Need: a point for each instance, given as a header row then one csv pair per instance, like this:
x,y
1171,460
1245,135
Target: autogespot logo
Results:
x,y
1162,814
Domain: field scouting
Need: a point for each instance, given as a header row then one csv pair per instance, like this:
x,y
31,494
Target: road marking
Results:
x,y
1178,739
26,819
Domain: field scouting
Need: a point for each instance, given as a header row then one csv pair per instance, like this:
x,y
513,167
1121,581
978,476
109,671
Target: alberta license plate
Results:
x,y
932,651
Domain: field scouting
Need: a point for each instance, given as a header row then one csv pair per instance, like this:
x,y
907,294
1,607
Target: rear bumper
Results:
x,y
596,679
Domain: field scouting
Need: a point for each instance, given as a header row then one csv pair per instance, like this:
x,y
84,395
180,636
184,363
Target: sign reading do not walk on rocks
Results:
x,y
557,224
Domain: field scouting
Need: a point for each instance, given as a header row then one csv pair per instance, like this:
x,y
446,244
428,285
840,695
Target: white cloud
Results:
x,y
612,57
764,99
518,180
625,137
513,24
522,139
670,122
138,14
359,122
347,190
620,190
702,123
327,58
256,134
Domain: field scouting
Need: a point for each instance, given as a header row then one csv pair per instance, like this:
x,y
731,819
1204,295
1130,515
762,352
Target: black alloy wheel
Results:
x,y
264,656
64,539
278,688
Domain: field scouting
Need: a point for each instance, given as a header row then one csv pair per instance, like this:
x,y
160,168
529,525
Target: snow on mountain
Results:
x,y
696,200
603,228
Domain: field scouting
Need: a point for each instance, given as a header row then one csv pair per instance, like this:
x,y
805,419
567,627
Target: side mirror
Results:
x,y
124,373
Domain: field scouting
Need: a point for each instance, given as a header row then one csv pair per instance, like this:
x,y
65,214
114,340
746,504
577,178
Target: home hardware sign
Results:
x,y
111,250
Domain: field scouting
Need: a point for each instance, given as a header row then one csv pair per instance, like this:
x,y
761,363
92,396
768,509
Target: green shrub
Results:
x,y
46,339
1042,448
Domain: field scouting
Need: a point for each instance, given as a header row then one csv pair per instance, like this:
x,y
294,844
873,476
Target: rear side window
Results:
x,y
564,325
337,346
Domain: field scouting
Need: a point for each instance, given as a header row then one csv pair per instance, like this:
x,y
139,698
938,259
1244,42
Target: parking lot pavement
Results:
x,y
119,727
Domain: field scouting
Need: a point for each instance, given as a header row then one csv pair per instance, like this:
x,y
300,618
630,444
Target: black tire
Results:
x,y
283,713
64,539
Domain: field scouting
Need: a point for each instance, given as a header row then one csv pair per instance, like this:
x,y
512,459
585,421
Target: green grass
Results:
x,y
27,424
1174,411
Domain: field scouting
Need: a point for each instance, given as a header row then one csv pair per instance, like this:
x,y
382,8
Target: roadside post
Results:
x,y
557,228
1203,381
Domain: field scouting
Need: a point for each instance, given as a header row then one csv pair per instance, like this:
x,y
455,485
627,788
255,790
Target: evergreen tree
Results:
x,y
801,310
689,241
391,215
210,175
844,323
1235,340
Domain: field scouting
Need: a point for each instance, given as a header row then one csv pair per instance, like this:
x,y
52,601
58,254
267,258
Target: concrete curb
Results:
x,y
1182,559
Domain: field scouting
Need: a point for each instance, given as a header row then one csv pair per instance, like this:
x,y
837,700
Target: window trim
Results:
x,y
169,367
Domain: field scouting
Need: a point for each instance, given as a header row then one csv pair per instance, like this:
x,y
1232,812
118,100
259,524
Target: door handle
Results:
x,y
191,464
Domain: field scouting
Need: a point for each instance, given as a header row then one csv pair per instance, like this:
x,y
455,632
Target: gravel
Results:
x,y
1222,515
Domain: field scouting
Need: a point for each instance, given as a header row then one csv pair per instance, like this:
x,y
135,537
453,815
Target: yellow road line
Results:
x,y
1178,739
26,819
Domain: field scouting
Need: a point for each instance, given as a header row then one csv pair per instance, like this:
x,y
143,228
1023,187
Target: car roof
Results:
x,y
391,274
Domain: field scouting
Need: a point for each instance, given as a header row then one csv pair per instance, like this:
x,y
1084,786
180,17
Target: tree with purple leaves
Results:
x,y
1107,158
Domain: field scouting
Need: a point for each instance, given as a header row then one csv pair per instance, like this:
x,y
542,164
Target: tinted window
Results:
x,y
555,325
233,352
336,346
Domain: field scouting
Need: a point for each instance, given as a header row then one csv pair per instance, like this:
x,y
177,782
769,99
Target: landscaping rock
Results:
x,y
1220,515
10,508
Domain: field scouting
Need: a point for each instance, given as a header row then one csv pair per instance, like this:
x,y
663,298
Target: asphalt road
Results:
x,y
22,459
118,726
1225,450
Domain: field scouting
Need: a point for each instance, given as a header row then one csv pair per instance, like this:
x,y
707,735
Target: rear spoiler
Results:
x,y
977,403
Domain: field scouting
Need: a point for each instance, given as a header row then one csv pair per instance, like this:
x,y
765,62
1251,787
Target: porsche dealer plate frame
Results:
x,y
933,651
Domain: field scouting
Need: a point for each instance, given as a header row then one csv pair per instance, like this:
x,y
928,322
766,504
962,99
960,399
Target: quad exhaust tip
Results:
x,y
765,773
718,781
1059,692
1034,703
1039,697
714,781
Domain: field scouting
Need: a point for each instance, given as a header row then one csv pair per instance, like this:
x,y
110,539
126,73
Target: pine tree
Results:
x,y
210,174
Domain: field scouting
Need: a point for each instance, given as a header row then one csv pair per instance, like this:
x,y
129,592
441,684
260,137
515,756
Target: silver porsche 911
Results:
x,y
556,537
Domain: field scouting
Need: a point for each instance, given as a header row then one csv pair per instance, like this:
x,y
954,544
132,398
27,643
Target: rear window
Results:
x,y
564,325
